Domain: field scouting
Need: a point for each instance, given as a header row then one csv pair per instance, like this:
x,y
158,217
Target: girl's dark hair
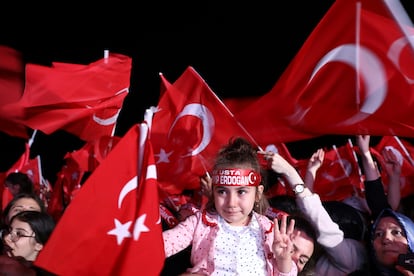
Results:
x,y
33,196
238,152
41,223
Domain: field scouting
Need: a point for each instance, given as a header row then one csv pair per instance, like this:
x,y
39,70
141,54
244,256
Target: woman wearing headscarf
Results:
x,y
392,236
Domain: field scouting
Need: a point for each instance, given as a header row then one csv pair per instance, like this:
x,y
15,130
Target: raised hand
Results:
x,y
392,164
362,142
282,243
314,163
316,160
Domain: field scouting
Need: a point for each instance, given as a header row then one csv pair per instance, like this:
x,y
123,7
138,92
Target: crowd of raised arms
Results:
x,y
235,228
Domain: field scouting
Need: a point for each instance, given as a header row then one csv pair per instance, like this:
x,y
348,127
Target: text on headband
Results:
x,y
236,177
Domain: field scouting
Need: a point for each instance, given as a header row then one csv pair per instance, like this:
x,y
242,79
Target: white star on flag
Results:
x,y
140,226
163,156
120,231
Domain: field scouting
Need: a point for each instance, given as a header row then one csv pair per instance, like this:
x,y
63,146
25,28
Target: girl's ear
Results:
x,y
259,192
38,246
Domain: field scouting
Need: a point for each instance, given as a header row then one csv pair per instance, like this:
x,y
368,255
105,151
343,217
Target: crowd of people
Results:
x,y
230,231
233,234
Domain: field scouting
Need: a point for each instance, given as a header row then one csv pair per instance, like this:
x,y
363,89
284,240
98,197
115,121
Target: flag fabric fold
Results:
x,y
339,176
188,128
11,90
84,100
112,226
352,75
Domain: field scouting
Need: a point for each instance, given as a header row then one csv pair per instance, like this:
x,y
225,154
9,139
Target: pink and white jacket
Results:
x,y
200,230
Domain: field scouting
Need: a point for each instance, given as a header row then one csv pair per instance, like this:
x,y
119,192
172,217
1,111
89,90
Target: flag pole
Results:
x,y
361,179
31,140
106,58
340,159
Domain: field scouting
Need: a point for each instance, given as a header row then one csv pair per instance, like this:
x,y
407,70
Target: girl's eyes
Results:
x,y
224,191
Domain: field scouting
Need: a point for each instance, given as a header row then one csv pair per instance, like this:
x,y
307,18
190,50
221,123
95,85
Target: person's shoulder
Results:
x,y
264,221
14,266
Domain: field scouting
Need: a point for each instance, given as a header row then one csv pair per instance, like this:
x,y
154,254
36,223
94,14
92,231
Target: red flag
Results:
x,y
190,125
11,89
93,152
82,157
103,146
404,151
112,227
283,151
56,205
339,176
16,167
84,100
66,186
353,74
33,169
7,196
239,104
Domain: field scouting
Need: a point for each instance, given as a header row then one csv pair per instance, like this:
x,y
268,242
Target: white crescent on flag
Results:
x,y
206,116
394,53
364,61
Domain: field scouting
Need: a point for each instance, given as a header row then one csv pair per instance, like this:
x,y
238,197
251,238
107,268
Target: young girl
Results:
x,y
232,236
24,239
28,233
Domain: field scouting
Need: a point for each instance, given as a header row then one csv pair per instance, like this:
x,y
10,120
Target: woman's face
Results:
x,y
389,241
303,247
21,241
23,204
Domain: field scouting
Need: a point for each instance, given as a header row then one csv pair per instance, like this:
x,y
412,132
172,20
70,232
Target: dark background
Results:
x,y
240,49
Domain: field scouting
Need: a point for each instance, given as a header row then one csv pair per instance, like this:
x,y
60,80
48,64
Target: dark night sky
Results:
x,y
238,49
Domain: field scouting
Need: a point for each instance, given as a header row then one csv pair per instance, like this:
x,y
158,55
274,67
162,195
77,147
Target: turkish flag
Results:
x,y
11,89
33,169
82,157
353,74
67,184
92,153
84,100
404,151
113,225
282,150
339,176
239,104
188,128
57,203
